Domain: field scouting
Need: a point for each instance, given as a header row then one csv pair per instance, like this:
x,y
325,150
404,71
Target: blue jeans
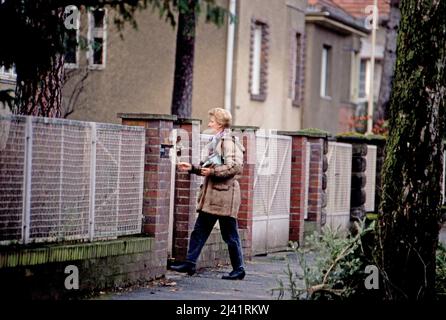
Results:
x,y
228,228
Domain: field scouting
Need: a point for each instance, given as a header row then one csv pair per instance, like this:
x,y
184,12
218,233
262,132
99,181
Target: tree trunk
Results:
x,y
389,60
409,219
40,64
41,95
184,62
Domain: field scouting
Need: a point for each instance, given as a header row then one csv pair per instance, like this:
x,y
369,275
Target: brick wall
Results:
x,y
245,214
215,251
186,186
157,180
315,189
358,179
297,205
316,201
39,273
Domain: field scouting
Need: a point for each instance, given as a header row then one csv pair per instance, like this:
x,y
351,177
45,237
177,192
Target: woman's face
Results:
x,y
214,126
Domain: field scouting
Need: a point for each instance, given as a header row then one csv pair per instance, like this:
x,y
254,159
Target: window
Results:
x,y
97,38
325,71
297,88
258,67
8,74
71,43
363,81
354,76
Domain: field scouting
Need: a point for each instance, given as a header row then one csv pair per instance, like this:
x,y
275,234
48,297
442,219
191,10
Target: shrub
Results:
x,y
441,272
333,267
332,264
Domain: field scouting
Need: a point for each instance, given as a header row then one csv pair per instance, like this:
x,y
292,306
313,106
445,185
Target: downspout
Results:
x,y
230,56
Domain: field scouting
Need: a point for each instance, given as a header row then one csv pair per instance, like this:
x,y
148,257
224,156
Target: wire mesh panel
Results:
x,y
370,179
280,178
108,149
12,174
131,174
56,179
261,180
343,178
271,193
75,183
59,180
280,184
118,184
338,184
330,191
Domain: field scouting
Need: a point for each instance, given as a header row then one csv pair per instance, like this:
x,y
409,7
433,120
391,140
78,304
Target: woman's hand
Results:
x,y
207,171
184,166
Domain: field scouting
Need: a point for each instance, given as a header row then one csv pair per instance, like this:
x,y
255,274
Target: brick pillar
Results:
x,y
157,183
315,195
358,180
186,186
297,205
245,214
316,189
380,144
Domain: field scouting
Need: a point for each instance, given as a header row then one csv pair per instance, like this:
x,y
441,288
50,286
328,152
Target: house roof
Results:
x,y
357,7
328,13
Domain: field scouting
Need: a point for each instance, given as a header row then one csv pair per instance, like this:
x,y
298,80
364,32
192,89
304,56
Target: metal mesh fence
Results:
x,y
65,180
280,177
261,180
107,182
12,173
59,193
370,179
338,183
131,181
273,175
271,202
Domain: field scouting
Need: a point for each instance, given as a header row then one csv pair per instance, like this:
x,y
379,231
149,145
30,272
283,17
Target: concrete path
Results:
x,y
263,274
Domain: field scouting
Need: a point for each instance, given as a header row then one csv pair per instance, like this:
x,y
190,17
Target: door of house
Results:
x,y
271,203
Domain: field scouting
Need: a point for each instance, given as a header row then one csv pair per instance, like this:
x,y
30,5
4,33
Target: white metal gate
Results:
x,y
370,173
271,203
338,184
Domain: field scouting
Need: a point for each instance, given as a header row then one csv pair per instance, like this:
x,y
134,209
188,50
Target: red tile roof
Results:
x,y
357,7
336,12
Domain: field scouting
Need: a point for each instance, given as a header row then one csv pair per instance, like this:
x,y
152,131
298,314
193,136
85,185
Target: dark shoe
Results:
x,y
235,275
186,267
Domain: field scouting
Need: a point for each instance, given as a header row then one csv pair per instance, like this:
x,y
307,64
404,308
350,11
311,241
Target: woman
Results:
x,y
219,196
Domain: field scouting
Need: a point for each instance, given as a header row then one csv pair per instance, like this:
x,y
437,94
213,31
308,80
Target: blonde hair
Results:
x,y
222,116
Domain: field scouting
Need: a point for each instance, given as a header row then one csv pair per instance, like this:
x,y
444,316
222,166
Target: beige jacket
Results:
x,y
220,192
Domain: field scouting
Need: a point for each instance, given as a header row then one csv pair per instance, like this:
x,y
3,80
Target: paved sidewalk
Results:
x,y
262,275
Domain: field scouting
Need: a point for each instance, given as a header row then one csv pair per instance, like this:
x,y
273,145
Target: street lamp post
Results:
x,y
372,69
